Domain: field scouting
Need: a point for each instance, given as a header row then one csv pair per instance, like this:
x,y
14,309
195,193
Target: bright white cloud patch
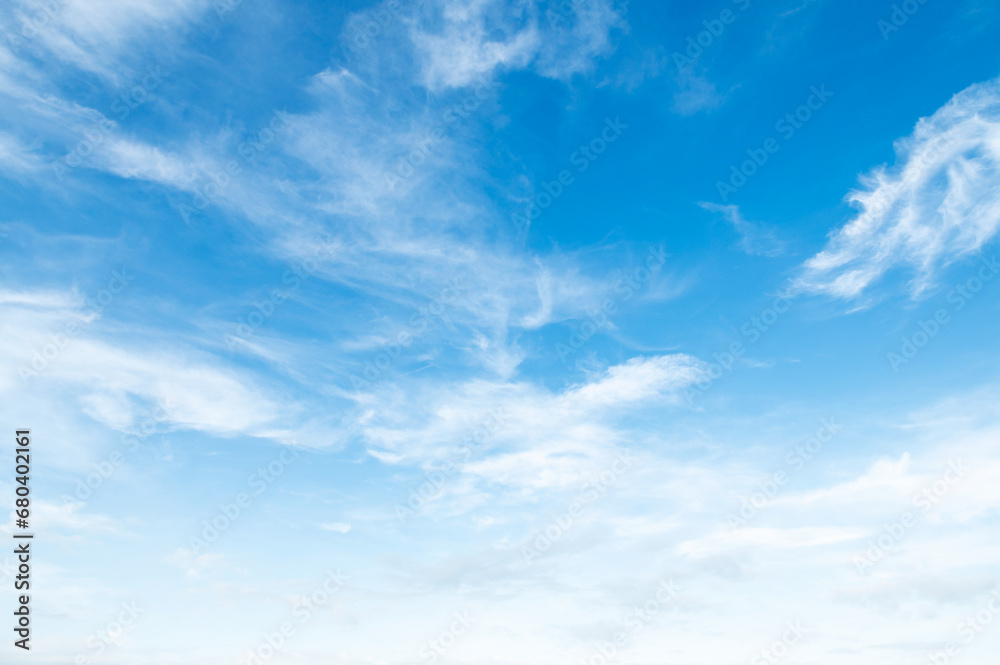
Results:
x,y
940,203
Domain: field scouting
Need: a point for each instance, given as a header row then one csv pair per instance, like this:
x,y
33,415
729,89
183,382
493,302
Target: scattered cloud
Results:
x,y
472,38
695,93
755,239
339,527
537,439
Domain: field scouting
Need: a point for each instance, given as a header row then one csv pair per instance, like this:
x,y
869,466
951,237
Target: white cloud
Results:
x,y
92,36
15,157
667,517
118,386
528,438
940,202
134,159
639,379
339,527
695,93
465,49
402,240
475,37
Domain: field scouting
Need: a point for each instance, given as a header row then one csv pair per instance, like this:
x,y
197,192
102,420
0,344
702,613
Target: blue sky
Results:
x,y
477,331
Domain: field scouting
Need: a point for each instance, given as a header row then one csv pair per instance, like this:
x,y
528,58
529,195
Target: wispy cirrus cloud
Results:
x,y
93,37
545,438
403,238
940,202
56,340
